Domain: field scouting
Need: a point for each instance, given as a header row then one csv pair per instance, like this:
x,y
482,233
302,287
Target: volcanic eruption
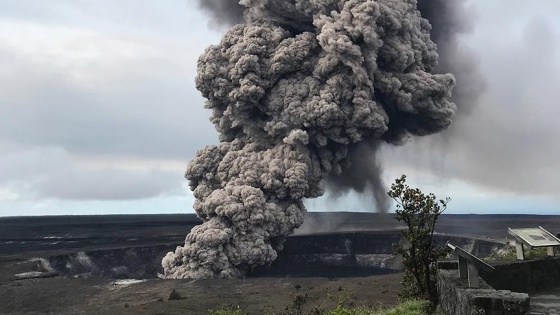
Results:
x,y
301,91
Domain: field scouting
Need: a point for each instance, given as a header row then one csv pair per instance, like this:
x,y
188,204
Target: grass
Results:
x,y
226,310
414,307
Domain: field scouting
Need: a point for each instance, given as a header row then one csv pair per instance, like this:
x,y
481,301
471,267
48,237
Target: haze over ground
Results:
x,y
100,114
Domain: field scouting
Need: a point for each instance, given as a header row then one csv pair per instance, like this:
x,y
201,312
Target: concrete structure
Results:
x,y
469,265
529,287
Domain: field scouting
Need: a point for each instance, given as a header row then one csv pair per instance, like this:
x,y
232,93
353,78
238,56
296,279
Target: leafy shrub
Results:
x,y
419,212
298,303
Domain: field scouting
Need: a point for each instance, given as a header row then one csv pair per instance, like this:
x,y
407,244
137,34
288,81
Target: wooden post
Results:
x,y
473,276
550,251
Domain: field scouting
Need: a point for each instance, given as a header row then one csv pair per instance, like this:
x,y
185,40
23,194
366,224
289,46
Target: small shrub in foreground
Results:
x,y
419,212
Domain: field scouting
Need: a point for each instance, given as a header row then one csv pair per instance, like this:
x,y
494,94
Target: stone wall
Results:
x,y
504,291
456,298
526,276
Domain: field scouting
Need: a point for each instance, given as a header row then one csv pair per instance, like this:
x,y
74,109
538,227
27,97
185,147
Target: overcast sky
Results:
x,y
99,113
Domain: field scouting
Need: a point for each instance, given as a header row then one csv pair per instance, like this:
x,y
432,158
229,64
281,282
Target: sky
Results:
x,y
99,112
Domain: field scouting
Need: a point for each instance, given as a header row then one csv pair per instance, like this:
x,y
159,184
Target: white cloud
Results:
x,y
98,103
53,173
97,93
93,59
6,194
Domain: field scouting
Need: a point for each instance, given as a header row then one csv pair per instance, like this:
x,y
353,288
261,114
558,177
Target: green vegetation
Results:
x,y
511,254
413,307
227,310
419,212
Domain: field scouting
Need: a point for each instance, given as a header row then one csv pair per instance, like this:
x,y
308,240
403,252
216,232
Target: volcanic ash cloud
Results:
x,y
294,91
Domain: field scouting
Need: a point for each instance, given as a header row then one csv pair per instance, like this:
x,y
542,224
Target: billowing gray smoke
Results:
x,y
223,12
449,20
298,91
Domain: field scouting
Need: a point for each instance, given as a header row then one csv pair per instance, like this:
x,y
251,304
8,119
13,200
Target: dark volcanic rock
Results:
x,y
174,296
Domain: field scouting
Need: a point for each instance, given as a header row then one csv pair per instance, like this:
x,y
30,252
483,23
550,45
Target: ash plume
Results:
x,y
450,20
223,13
362,174
297,92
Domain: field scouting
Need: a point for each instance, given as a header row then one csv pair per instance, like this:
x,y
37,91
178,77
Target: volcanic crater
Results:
x,y
104,263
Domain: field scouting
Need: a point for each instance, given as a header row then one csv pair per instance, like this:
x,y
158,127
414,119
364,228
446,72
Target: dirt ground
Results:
x,y
264,295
